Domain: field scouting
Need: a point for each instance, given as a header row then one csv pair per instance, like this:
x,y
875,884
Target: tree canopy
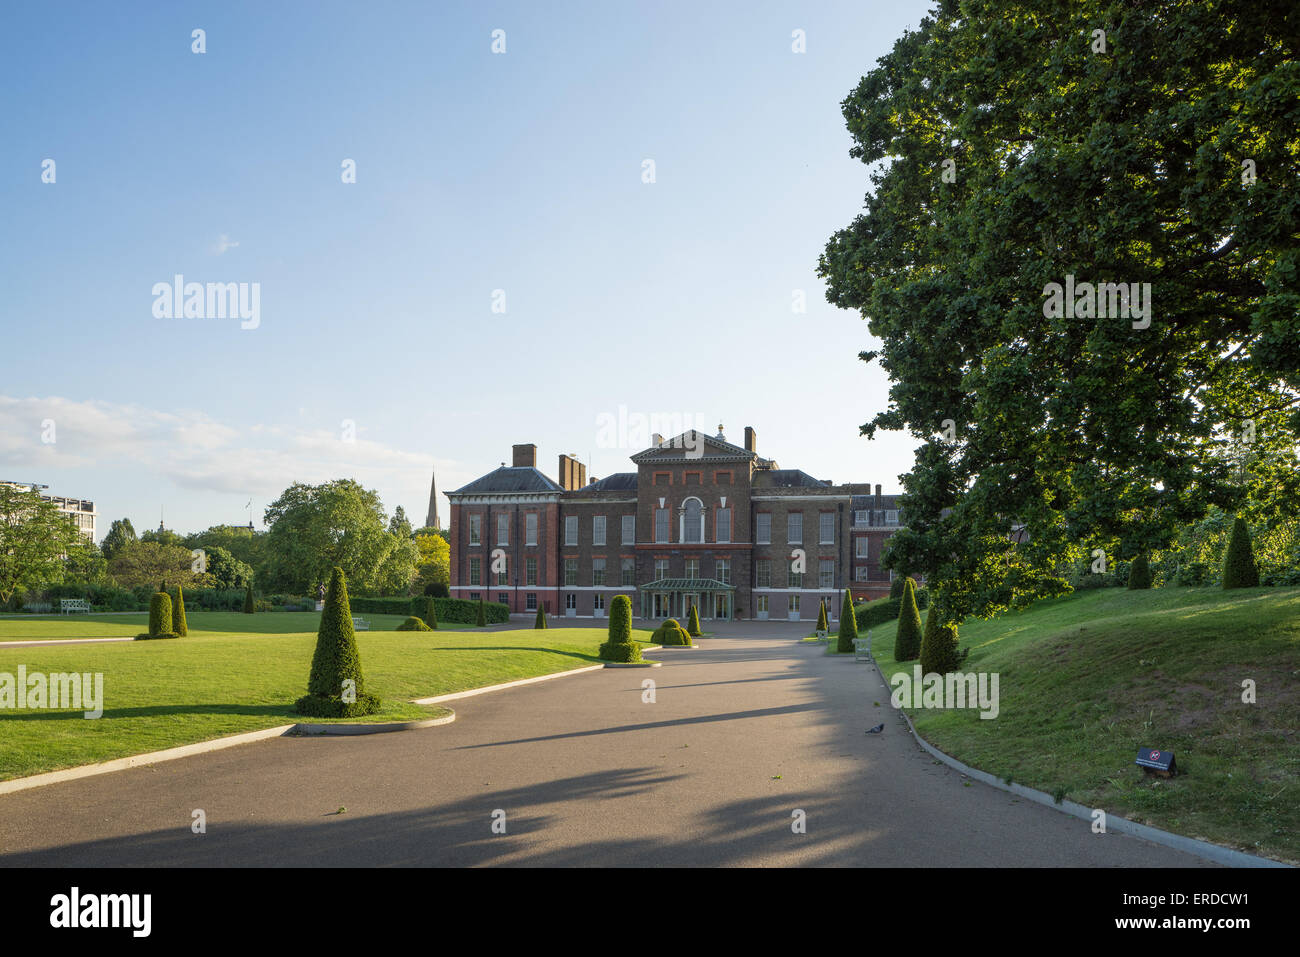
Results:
x,y
34,538
1022,151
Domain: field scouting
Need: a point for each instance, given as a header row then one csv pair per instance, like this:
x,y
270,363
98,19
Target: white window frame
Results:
x,y
629,529
570,530
723,516
598,572
825,574
722,569
476,570
862,549
476,529
570,564
790,523
663,526
763,528
503,529
530,528
825,520
598,529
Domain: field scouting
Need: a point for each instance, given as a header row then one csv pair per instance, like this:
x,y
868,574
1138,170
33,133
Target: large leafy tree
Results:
x,y
34,538
1018,147
120,533
434,562
242,542
315,528
149,563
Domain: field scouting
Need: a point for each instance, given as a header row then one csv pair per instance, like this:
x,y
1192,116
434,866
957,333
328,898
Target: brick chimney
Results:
x,y
573,474
525,456
751,440
877,496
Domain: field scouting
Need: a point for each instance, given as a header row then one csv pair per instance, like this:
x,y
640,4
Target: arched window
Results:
x,y
692,520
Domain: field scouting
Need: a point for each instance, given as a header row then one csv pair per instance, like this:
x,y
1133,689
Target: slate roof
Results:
x,y
618,482
786,478
509,478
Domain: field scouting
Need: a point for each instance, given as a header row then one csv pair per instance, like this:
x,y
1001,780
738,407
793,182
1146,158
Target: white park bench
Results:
x,y
68,605
862,648
360,624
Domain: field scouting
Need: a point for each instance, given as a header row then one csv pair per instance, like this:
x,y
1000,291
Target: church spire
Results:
x,y
431,520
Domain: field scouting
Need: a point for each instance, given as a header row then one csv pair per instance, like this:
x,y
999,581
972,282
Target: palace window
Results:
x,y
530,571
795,528
661,568
826,574
661,525
476,529
598,571
570,571
530,528
723,570
692,568
629,529
826,529
693,521
763,528
476,571
571,530
862,547
629,572
598,530
503,529
763,573
724,524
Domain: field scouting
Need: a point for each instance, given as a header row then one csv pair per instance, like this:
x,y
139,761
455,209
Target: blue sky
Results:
x,y
377,353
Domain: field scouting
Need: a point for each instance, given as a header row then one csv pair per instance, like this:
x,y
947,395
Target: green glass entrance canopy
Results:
x,y
686,584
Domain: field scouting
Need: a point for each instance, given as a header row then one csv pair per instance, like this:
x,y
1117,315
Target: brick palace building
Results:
x,y
700,522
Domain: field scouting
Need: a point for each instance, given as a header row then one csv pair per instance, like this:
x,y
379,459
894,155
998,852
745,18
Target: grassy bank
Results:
x,y
1085,681
224,679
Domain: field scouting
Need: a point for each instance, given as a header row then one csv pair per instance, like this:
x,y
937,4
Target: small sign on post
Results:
x,y
1154,761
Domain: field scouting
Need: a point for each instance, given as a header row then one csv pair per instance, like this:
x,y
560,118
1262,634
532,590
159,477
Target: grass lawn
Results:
x,y
237,673
1088,679
52,627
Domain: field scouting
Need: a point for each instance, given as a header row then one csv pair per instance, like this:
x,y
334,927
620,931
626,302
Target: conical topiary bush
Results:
x,y
481,621
430,613
335,688
907,640
822,625
540,620
939,653
1239,570
848,626
249,607
179,625
693,623
1139,573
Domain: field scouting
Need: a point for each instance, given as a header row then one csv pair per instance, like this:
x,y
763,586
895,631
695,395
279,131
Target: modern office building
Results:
x,y
701,522
82,511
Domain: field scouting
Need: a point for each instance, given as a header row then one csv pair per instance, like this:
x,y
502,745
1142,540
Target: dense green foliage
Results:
x,y
34,536
539,622
413,624
1015,156
160,618
881,610
939,654
249,606
480,616
179,624
620,618
430,612
1139,573
822,624
460,610
317,527
336,663
848,625
1239,569
907,646
671,634
120,533
693,623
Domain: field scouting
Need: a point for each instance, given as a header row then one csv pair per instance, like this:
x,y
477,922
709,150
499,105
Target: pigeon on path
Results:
x,y
876,730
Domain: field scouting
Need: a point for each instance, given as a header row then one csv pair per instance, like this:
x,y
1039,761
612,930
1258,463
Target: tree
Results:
x,y
162,536
243,543
314,528
848,626
433,562
146,563
1022,162
336,687
84,563
34,537
693,623
250,607
224,569
540,620
1239,569
907,639
1139,573
822,624
179,625
620,647
400,525
120,533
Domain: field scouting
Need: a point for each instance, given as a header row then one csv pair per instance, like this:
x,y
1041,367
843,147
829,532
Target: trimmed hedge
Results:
x,y
881,610
160,618
460,610
693,623
939,654
671,633
480,615
623,652
620,619
413,624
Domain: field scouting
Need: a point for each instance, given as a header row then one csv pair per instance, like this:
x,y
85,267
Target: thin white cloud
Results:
x,y
222,244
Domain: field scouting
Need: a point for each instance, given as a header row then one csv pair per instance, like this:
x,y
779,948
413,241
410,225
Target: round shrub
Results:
x,y
413,624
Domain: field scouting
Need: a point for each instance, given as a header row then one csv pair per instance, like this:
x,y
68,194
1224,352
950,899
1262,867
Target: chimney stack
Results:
x,y
751,440
656,440
877,496
525,456
573,474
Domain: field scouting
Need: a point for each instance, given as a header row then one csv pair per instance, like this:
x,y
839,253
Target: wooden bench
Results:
x,y
360,624
68,605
